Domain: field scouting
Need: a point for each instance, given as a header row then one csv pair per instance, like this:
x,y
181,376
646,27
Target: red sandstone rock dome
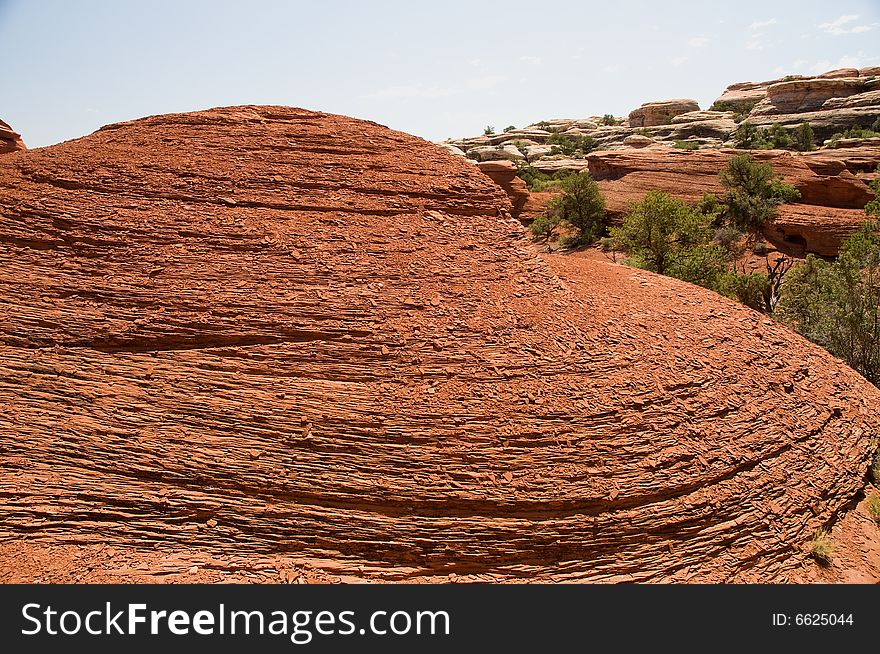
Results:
x,y
256,332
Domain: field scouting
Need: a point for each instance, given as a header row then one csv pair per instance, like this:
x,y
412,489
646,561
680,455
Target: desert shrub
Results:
x,y
509,128
544,227
533,178
753,192
571,145
776,137
710,206
542,124
608,119
873,504
582,206
728,237
760,248
837,305
751,289
488,130
821,547
858,132
704,265
872,209
874,470
658,231
747,136
740,110
804,138
686,145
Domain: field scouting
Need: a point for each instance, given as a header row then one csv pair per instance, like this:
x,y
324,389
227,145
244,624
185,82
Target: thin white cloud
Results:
x,y
761,24
485,83
860,60
755,42
614,68
534,61
698,41
678,61
404,91
838,27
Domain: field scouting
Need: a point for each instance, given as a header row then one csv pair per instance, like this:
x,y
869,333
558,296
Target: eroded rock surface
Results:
x,y
832,184
257,332
661,112
10,140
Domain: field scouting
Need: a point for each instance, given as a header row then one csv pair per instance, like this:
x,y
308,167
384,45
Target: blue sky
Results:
x,y
435,69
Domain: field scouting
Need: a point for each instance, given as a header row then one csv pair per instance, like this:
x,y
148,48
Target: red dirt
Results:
x,y
263,336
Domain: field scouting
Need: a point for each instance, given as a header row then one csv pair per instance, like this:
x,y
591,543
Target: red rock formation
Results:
x,y
261,333
661,112
10,141
503,173
832,102
832,194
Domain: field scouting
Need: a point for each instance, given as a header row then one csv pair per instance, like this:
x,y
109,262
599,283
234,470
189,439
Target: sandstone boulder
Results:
x,y
638,141
660,113
503,173
535,152
454,150
495,153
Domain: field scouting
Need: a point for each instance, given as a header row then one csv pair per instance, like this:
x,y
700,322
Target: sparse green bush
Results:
x,y
740,110
837,305
804,138
542,125
753,193
582,206
858,132
544,227
489,130
872,209
751,289
571,145
658,231
509,128
686,145
777,137
821,547
748,137
608,119
728,237
873,504
874,470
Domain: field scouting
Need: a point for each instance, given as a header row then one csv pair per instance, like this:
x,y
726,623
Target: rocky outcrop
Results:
x,y
10,141
833,194
660,113
263,333
830,103
503,173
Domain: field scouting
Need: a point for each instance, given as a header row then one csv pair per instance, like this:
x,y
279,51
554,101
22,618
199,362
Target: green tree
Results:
x,y
660,231
753,192
489,130
747,136
544,227
837,305
581,205
804,138
509,128
873,207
